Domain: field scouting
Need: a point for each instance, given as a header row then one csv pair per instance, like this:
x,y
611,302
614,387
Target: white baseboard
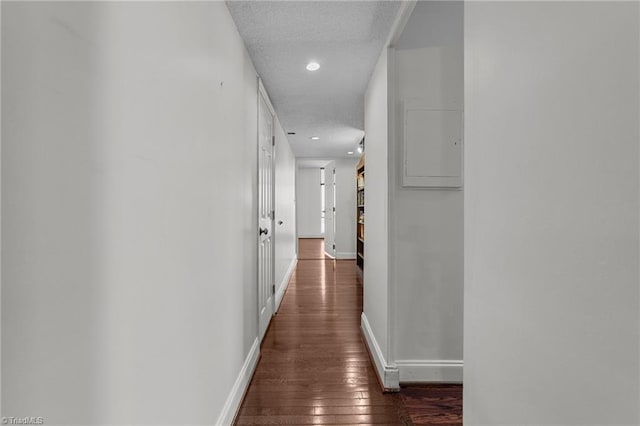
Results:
x,y
345,255
311,236
430,371
285,282
388,373
232,405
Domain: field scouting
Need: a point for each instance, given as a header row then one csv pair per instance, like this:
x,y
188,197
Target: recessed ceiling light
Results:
x,y
314,138
350,152
313,66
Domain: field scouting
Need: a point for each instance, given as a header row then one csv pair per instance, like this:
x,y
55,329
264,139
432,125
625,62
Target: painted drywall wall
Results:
x,y
308,203
129,215
375,278
426,225
345,208
0,220
285,219
551,213
435,24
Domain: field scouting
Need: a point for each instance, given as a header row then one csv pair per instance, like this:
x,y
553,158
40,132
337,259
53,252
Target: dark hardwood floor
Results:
x,y
433,404
311,248
314,367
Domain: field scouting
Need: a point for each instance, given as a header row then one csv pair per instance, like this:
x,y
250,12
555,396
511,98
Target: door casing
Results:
x,y
266,214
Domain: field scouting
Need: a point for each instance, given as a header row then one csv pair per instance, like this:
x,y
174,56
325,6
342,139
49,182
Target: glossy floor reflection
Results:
x,y
433,404
311,248
314,367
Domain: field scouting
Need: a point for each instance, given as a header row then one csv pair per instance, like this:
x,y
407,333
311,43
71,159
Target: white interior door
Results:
x,y
334,204
330,208
266,213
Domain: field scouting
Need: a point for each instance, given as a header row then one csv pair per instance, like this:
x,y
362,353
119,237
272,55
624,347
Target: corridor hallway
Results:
x,y
314,367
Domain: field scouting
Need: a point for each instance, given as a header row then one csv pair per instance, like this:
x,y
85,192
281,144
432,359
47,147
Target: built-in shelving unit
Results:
x,y
360,201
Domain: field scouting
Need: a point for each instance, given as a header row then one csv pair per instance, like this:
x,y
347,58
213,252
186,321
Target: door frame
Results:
x,y
335,208
261,92
330,209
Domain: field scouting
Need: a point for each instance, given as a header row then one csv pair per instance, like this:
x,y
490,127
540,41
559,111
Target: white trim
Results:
x,y
402,17
232,405
430,371
311,236
345,255
388,373
401,20
264,93
285,282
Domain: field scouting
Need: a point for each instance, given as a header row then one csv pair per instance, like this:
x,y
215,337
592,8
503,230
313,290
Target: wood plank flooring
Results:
x,y
433,404
311,248
314,368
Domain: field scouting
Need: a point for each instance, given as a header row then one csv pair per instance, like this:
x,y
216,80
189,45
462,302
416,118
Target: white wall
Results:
x,y
551,219
426,225
308,202
375,281
285,193
1,315
129,211
345,208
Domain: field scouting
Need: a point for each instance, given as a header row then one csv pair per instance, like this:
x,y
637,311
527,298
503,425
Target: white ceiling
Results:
x,y
311,163
344,37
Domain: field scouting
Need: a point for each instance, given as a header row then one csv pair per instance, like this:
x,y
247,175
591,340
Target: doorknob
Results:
x,y
264,231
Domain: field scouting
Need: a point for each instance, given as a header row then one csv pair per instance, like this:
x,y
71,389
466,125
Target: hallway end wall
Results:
x,y
308,203
551,213
345,235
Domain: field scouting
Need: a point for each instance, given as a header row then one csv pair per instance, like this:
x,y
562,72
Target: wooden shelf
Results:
x,y
360,202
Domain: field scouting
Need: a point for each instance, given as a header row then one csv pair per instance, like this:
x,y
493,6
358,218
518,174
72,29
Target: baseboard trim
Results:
x,y
311,236
285,282
345,255
430,371
387,373
234,400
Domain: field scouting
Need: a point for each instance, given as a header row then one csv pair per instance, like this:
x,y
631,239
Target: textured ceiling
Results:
x,y
344,37
311,163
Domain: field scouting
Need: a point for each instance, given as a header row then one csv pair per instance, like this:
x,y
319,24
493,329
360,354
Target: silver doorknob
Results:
x,y
264,231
